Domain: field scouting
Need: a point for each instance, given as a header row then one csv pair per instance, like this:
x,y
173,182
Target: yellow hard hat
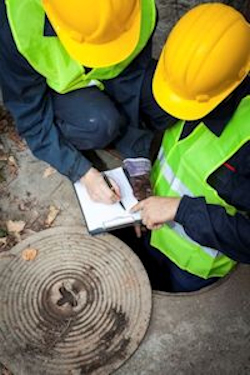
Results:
x,y
96,33
206,56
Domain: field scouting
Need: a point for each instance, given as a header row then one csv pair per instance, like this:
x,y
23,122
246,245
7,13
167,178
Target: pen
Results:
x,y
106,179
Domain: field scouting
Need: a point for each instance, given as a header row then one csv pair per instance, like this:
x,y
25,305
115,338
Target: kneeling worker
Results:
x,y
76,76
199,216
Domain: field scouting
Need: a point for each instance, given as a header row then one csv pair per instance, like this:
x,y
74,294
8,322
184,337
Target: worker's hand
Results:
x,y
156,211
98,189
139,230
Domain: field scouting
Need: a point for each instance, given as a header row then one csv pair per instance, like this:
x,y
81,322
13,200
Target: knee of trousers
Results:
x,y
104,128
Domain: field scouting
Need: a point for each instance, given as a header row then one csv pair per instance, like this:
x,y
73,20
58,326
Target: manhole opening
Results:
x,y
205,289
127,235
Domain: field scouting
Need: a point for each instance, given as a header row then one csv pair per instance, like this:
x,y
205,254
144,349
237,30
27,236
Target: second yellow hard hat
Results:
x,y
98,33
206,56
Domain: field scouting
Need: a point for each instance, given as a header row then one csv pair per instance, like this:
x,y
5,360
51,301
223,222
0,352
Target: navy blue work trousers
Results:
x,y
167,276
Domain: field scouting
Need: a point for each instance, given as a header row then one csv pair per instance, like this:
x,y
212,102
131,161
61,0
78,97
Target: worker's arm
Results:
x,y
211,226
206,224
26,95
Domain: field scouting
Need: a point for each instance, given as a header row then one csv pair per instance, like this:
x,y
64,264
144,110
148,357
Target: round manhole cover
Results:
x,y
81,306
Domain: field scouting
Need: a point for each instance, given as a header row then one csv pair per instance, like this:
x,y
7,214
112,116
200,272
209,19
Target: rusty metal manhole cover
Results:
x,y
82,306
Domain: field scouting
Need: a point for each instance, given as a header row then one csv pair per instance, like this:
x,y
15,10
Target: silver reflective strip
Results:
x,y
181,189
169,175
93,82
161,155
180,230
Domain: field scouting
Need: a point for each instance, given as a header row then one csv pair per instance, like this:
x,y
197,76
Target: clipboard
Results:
x,y
100,217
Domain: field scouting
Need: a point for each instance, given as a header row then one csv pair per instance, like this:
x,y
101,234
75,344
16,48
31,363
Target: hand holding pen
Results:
x,y
98,188
112,188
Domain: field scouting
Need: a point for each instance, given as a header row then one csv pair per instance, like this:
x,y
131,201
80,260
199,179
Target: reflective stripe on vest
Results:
x,y
48,56
182,167
180,190
172,179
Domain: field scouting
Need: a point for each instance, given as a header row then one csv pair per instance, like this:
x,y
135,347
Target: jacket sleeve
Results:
x,y
211,226
27,97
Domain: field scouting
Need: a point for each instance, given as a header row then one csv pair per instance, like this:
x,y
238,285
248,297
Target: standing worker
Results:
x,y
199,215
76,76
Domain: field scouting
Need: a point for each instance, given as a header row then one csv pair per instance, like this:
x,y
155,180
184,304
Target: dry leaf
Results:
x,y
18,141
15,226
48,172
29,254
53,212
3,242
12,161
11,240
13,167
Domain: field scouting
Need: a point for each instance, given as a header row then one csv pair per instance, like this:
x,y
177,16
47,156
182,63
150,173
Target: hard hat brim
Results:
x,y
99,55
177,106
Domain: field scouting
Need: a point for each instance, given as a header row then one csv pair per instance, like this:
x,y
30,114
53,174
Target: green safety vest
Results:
x,y
183,167
48,56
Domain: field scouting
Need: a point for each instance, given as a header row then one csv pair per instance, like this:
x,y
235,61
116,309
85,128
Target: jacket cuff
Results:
x,y
81,167
185,207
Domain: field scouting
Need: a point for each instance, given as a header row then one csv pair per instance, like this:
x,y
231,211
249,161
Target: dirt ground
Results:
x,y
16,220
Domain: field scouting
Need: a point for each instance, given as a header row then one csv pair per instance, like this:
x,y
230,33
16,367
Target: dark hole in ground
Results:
x,y
156,269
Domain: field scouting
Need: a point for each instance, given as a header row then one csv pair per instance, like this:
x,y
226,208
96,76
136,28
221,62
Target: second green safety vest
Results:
x,y
48,56
182,168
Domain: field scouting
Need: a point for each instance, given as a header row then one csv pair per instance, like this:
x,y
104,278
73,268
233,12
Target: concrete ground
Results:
x,y
207,332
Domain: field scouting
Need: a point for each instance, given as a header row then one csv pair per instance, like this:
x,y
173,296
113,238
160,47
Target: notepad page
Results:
x,y
100,215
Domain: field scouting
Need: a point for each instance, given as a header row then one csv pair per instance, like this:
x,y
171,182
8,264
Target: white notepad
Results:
x,y
101,217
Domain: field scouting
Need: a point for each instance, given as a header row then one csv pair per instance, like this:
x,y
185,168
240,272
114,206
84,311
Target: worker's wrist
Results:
x,y
183,209
81,169
89,175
